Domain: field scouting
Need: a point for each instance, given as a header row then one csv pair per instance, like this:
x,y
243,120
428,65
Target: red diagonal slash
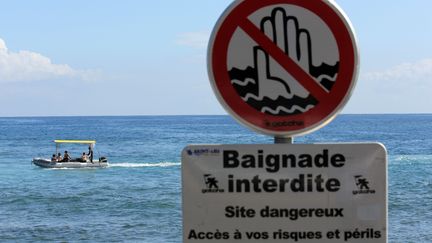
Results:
x,y
285,61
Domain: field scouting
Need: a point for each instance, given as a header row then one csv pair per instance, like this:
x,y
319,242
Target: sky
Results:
x,y
66,58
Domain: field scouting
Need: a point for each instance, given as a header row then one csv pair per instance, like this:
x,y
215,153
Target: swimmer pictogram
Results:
x,y
269,89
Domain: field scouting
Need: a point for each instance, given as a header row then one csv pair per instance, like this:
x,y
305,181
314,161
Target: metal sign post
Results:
x,y
283,140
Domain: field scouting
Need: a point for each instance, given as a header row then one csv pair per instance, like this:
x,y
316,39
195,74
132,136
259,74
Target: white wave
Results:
x,y
251,96
411,159
281,108
260,98
323,76
139,165
243,83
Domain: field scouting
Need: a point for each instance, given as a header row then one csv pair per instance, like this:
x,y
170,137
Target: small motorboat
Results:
x,y
88,162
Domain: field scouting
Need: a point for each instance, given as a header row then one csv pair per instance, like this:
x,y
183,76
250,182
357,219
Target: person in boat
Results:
x,y
90,154
66,157
59,157
84,157
54,158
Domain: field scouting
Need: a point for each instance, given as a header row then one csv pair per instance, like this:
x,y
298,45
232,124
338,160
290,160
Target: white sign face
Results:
x,y
285,193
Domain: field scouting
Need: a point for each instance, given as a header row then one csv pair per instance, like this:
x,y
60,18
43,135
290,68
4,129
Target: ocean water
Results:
x,y
138,198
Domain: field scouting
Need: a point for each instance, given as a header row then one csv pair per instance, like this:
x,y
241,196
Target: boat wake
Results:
x,y
139,165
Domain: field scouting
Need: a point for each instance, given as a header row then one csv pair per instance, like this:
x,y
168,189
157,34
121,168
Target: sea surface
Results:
x,y
138,198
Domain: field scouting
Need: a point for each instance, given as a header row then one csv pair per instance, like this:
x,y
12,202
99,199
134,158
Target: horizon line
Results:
x,y
173,115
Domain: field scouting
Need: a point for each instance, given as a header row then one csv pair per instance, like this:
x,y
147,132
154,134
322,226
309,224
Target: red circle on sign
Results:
x,y
330,103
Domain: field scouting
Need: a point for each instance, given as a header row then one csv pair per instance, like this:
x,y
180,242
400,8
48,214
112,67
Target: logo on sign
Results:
x,y
270,89
362,186
211,184
202,152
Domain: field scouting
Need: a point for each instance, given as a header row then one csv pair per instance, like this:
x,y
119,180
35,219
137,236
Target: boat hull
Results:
x,y
44,163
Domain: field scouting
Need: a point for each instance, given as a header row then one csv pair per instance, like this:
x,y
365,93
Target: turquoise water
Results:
x,y
138,198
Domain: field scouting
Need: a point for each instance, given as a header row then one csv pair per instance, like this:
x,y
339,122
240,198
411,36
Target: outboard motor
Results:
x,y
103,159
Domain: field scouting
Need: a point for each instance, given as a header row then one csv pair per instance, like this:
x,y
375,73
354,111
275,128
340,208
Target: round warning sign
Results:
x,y
283,67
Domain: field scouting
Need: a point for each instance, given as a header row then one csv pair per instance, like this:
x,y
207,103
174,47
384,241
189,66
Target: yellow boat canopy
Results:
x,y
76,141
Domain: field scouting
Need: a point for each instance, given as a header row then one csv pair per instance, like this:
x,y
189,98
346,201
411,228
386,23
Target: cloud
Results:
x,y
420,70
196,40
2,45
32,66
